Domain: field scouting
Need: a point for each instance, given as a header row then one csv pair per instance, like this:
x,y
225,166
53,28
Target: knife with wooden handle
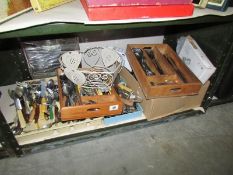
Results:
x,y
19,113
43,106
37,113
21,118
32,114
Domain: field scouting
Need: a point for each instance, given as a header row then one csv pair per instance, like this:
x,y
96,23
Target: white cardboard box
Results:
x,y
192,55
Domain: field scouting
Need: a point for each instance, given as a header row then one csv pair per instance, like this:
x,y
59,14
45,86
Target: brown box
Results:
x,y
105,105
161,107
168,76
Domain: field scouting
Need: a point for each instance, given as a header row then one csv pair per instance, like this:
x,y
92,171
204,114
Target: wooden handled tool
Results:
x,y
32,114
21,118
19,113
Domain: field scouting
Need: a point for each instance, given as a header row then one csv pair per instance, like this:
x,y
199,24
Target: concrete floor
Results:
x,y
196,145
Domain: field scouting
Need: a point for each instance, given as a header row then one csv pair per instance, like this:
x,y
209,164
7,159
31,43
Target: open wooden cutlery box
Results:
x,y
160,72
91,106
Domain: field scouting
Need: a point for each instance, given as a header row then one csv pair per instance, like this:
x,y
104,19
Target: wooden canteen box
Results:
x,y
160,72
104,105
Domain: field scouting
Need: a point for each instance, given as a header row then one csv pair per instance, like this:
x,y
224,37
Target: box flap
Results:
x,y
132,82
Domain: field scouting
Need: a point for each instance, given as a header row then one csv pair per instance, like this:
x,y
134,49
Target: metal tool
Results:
x,y
73,92
66,92
37,113
139,54
21,92
18,106
16,130
78,95
57,114
26,96
154,60
50,84
43,106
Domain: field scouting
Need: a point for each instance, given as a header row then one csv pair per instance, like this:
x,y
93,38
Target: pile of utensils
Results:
x,y
36,105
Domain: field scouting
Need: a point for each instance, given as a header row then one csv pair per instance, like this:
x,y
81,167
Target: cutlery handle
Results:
x,y
21,118
32,114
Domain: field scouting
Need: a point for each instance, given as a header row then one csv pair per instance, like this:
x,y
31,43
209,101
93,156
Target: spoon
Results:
x,y
50,84
19,91
66,92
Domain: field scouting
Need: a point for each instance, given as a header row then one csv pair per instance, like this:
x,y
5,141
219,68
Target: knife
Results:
x,y
43,107
19,113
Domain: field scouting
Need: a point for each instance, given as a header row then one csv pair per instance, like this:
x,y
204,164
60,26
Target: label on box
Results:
x,y
113,108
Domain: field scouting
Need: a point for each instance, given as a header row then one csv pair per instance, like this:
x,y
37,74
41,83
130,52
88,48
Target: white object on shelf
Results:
x,y
197,61
71,59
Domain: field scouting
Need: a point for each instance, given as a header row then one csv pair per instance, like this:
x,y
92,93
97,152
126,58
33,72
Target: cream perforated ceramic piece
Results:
x,y
92,57
71,59
76,76
109,56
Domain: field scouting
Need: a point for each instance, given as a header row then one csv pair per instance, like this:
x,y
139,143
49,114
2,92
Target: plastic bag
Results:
x,y
42,56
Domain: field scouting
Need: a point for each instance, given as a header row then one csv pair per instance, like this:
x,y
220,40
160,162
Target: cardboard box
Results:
x,y
161,107
196,59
